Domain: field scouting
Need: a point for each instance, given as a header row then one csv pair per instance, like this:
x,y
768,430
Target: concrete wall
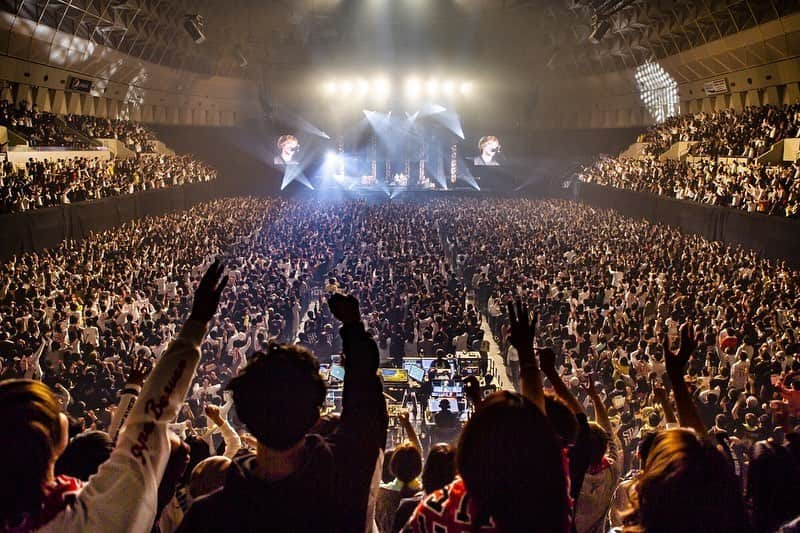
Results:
x,y
30,59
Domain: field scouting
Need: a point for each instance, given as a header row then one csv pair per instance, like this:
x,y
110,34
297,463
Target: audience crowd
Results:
x,y
727,133
739,182
658,374
39,128
137,137
47,129
770,189
45,183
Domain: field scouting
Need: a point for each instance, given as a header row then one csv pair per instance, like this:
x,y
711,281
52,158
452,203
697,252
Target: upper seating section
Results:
x,y
46,183
40,128
31,178
724,168
727,133
135,136
753,187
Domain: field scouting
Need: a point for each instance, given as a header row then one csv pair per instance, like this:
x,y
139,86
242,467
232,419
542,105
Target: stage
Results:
x,y
420,150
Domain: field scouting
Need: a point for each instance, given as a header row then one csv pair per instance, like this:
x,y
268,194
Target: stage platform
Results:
x,y
390,193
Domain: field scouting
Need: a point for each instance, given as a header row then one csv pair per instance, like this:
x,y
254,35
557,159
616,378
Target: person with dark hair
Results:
x,y
445,418
586,449
439,471
298,481
773,485
525,487
84,454
521,489
405,466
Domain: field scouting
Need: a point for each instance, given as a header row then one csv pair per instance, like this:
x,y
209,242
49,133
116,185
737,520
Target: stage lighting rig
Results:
x,y
433,87
194,23
413,87
601,12
599,30
381,87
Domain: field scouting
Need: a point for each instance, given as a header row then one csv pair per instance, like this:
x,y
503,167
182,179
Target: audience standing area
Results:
x,y
375,266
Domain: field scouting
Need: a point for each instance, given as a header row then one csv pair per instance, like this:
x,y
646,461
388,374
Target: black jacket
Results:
x,y
330,492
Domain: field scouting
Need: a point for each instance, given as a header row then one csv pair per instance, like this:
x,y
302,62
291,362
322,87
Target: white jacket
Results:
x,y
123,495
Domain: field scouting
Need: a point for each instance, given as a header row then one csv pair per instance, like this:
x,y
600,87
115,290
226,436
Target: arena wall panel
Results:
x,y
774,237
47,228
43,99
792,94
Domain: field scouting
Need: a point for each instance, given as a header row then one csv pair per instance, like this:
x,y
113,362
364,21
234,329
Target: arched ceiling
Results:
x,y
311,34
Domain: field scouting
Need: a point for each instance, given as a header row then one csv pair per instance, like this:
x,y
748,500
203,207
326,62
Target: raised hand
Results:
x,y
403,417
676,362
588,385
213,414
472,388
547,360
660,395
207,295
523,331
344,308
138,372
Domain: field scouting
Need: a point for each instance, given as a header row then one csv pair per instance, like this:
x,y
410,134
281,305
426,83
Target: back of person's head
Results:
x,y
34,435
208,475
773,485
561,418
198,451
511,462
278,395
84,454
687,485
644,446
406,463
597,443
440,467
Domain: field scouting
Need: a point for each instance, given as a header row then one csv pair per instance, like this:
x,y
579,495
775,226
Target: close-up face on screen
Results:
x,y
288,148
489,148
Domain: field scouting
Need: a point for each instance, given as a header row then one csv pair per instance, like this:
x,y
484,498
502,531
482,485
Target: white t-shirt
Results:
x,y
512,355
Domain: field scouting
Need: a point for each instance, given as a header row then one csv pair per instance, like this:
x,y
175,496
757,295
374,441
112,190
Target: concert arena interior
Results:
x,y
382,266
